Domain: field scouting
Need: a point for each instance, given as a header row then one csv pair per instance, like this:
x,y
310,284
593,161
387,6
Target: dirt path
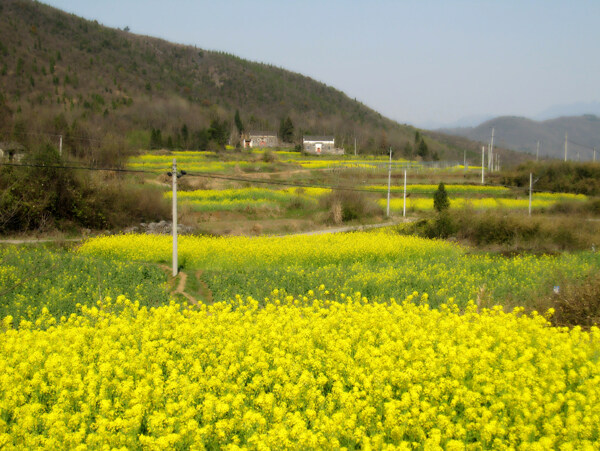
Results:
x,y
180,289
38,240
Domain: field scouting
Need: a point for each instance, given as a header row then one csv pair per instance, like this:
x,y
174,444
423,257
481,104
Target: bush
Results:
x,y
346,205
440,199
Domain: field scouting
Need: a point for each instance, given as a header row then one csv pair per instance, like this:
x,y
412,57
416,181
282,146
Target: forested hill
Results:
x,y
64,75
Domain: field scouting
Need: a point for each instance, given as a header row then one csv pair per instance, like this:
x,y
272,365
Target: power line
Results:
x,y
255,181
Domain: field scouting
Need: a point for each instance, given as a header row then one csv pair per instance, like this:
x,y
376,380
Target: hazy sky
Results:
x,y
414,61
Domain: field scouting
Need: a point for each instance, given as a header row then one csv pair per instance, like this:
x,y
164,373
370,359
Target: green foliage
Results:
x,y
35,277
218,132
156,139
286,130
238,122
441,201
567,177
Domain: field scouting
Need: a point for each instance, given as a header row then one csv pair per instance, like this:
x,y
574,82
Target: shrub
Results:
x,y
346,205
440,199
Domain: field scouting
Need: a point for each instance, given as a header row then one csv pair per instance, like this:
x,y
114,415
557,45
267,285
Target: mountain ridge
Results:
x,y
521,134
63,75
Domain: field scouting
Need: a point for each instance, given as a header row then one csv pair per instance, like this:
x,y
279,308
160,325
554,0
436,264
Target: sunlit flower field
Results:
x,y
351,374
378,264
344,341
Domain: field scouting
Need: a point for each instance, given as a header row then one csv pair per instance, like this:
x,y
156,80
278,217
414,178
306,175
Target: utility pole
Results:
x,y
537,152
492,151
404,205
482,164
389,184
566,141
174,177
60,146
530,190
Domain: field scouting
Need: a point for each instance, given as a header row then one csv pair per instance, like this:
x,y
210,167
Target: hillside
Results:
x,y
521,134
64,75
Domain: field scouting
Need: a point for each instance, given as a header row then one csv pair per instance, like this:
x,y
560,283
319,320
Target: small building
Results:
x,y
318,145
260,139
11,151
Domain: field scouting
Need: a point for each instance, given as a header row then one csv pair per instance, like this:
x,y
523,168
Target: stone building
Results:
x,y
321,145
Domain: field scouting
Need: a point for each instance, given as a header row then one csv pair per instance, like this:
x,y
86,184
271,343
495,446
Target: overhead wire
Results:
x,y
212,175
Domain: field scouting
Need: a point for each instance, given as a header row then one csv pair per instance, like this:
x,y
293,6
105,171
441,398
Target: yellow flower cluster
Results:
x,y
302,374
451,189
240,251
486,203
379,264
241,198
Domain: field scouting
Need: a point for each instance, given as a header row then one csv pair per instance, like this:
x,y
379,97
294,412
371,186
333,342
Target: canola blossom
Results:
x,y
378,264
539,201
243,198
318,375
450,188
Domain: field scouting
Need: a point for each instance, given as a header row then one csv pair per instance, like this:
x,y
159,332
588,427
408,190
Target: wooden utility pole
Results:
x,y
60,146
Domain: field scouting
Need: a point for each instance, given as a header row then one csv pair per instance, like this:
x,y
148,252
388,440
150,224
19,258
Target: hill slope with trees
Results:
x,y
107,88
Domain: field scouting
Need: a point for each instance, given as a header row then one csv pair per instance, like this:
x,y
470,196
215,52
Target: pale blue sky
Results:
x,y
414,61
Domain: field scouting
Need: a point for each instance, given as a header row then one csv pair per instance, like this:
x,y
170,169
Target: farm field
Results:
x,y
362,340
314,176
371,340
379,265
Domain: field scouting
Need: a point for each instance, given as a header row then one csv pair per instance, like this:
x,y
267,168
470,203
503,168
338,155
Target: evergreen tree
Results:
x,y
423,150
286,130
185,134
440,199
238,122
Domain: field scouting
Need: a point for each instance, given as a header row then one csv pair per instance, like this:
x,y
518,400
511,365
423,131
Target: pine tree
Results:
x,y
286,130
238,122
440,198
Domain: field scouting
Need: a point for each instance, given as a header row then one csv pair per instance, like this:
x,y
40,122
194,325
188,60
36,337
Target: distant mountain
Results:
x,y
571,109
467,121
521,134
64,75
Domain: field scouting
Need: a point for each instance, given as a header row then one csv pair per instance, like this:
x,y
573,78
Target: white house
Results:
x,y
318,145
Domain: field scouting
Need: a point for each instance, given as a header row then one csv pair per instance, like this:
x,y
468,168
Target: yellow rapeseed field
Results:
x,y
299,375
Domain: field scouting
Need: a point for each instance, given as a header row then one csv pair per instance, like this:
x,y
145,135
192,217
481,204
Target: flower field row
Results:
x,y
34,279
350,374
424,204
417,188
242,198
379,265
